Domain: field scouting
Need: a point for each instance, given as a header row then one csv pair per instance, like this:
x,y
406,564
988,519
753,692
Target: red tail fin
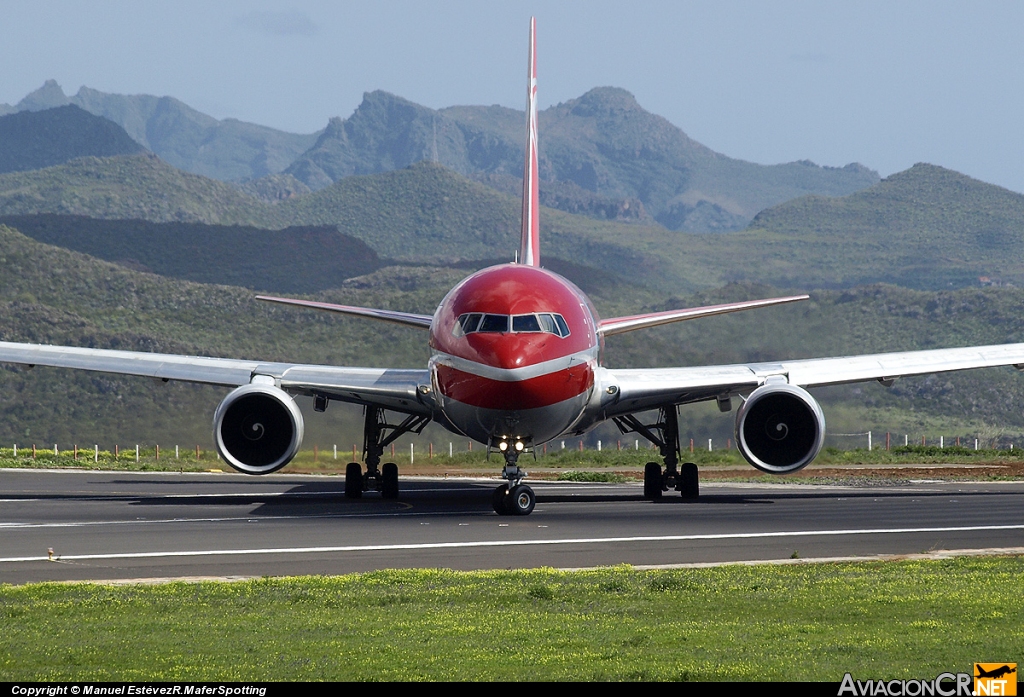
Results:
x,y
529,248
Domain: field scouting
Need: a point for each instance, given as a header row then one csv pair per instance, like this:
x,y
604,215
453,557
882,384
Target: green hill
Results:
x,y
926,227
424,213
603,142
140,187
52,295
292,260
923,228
37,139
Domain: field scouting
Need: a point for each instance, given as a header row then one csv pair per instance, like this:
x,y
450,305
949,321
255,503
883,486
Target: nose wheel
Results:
x,y
514,500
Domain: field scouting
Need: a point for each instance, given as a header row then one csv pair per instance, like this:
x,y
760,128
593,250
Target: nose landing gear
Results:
x,y
514,498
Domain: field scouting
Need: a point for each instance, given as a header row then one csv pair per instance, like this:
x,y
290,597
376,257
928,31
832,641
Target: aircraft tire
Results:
x,y
500,500
353,480
522,500
652,481
389,481
689,481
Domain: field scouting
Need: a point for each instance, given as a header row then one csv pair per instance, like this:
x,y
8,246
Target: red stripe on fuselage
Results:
x,y
533,393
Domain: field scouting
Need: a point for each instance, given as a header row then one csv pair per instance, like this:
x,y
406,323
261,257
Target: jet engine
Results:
x,y
780,428
258,429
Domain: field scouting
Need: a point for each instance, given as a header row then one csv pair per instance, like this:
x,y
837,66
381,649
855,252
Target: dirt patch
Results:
x,y
825,473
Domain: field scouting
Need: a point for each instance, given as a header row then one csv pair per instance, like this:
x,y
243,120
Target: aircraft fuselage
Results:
x,y
514,350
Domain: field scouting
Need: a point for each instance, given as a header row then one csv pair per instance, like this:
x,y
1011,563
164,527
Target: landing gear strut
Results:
x,y
377,435
665,434
514,498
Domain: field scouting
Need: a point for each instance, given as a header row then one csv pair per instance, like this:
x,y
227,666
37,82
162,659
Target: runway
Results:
x,y
107,526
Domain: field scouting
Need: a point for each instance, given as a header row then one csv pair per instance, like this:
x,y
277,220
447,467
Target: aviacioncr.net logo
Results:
x,y
943,685
995,679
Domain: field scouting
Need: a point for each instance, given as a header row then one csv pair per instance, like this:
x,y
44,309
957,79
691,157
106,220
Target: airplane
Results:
x,y
995,672
517,360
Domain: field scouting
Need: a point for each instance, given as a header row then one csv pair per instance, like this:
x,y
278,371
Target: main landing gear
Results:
x,y
377,435
513,498
665,434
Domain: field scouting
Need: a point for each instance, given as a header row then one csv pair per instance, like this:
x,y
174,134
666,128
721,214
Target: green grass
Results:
x,y
570,465
574,476
799,622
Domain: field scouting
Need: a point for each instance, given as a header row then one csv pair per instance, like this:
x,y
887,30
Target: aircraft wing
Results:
x,y
389,388
619,325
641,389
407,319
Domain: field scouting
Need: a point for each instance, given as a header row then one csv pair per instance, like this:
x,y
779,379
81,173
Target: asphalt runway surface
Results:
x,y
118,525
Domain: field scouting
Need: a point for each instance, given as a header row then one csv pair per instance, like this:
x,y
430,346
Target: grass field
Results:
x,y
794,622
574,465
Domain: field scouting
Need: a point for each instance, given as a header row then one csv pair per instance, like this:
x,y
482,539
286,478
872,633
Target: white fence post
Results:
x,y
412,452
869,441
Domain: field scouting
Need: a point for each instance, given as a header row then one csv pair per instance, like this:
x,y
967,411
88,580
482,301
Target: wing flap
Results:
x,y
818,372
640,389
213,371
393,389
648,388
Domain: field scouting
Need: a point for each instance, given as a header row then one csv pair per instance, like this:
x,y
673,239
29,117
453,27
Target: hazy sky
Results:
x,y
886,84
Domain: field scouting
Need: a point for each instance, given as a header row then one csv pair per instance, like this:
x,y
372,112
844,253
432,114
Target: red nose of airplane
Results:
x,y
509,351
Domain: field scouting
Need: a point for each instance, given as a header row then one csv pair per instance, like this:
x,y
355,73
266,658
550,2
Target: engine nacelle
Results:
x,y
258,429
780,428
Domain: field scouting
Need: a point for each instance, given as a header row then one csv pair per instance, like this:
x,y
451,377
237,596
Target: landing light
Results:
x,y
503,446
519,445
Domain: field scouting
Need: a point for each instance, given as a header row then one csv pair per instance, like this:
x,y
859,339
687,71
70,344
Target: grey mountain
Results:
x,y
603,143
36,139
227,149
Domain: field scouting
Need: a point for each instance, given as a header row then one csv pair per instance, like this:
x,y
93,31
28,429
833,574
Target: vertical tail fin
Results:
x,y
529,248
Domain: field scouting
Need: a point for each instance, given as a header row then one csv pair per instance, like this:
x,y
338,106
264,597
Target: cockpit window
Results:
x,y
469,322
562,326
525,323
494,323
543,322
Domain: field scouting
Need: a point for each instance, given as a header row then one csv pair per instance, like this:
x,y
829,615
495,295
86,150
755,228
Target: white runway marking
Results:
x,y
132,496
513,543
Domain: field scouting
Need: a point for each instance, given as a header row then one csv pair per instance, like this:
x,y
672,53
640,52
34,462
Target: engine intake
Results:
x,y
780,428
258,429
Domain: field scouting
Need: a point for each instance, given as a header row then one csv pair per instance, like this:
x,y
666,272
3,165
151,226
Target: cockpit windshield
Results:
x,y
541,322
